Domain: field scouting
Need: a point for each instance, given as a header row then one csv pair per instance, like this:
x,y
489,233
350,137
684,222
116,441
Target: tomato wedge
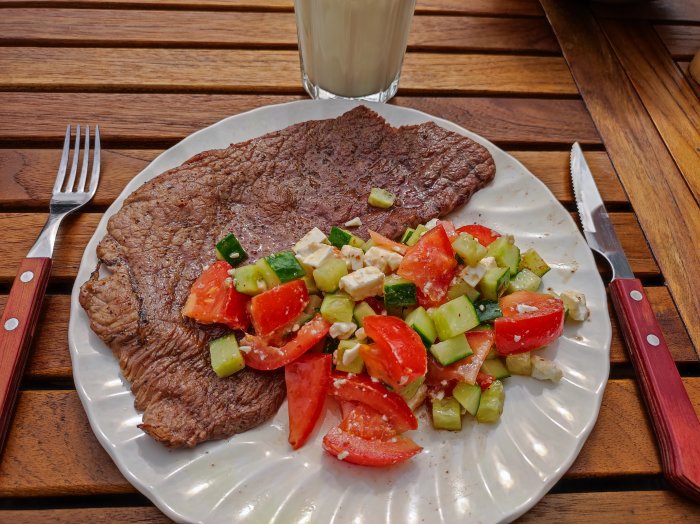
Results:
x,y
398,356
530,321
467,369
214,300
387,243
264,357
483,234
277,307
363,421
484,380
430,265
362,389
307,380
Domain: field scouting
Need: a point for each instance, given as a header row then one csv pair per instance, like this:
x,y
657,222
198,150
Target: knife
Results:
x,y
671,413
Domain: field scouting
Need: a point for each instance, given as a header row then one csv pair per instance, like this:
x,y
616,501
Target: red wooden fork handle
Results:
x,y
16,330
671,412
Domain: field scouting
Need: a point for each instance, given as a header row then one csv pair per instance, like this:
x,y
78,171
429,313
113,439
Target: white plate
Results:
x,y
485,473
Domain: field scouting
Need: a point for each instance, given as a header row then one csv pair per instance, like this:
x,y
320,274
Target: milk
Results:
x,y
352,48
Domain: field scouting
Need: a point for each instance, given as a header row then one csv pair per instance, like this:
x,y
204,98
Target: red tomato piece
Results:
x,y
307,380
398,356
363,421
214,300
483,234
387,243
430,265
522,329
484,380
278,307
264,357
467,369
376,305
360,388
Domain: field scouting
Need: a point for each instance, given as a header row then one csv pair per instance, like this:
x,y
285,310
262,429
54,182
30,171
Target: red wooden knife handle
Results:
x,y
671,412
16,330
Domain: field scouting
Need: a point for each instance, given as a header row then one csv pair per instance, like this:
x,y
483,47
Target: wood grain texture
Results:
x,y
167,118
666,10
48,423
160,28
264,71
682,41
647,171
25,174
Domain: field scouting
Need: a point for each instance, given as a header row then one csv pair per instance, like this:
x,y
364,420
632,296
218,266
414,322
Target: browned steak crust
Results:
x,y
268,191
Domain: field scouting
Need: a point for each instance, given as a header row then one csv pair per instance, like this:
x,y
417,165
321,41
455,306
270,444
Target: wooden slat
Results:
x,y
473,7
103,515
242,70
20,230
252,29
50,358
670,101
167,118
36,461
659,10
654,184
24,188
682,41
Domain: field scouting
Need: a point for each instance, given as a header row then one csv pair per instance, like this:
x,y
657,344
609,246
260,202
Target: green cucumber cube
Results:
x,y
505,252
381,198
339,237
496,368
285,265
356,365
455,317
311,286
468,395
487,310
226,358
447,414
327,276
337,307
399,292
270,277
494,283
230,250
451,350
407,234
409,390
415,237
532,260
469,249
525,280
362,310
491,403
249,280
519,364
459,287
422,324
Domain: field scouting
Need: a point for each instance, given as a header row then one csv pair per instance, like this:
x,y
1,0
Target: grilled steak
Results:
x,y
269,192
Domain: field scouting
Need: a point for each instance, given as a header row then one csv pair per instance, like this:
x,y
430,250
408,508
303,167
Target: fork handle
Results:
x,y
16,331
672,415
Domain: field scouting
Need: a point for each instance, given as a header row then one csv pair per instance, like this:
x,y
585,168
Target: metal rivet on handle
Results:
x,y
636,295
653,340
27,276
11,323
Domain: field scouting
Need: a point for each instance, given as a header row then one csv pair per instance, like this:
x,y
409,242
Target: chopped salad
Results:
x,y
439,318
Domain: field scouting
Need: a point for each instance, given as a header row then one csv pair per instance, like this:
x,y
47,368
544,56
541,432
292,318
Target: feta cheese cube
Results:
x,y
363,283
575,302
526,308
360,334
383,259
354,257
322,253
430,224
342,330
349,355
308,243
543,369
473,275
355,222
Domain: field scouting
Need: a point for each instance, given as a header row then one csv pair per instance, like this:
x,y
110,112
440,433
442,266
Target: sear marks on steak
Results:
x,y
269,191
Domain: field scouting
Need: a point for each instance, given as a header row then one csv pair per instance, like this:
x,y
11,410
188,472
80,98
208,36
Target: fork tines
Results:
x,y
70,185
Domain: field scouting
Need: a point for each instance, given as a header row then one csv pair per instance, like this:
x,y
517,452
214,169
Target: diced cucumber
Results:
x,y
487,310
337,307
399,292
468,395
532,260
381,198
415,237
496,368
407,234
356,365
340,237
285,265
451,350
230,250
505,252
409,390
491,403
469,249
362,310
422,324
368,244
519,364
249,280
327,276
525,280
494,283
455,317
491,354
447,414
270,277
226,358
459,287
311,286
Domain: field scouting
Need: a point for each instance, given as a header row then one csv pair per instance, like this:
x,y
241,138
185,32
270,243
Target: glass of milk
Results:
x,y
352,48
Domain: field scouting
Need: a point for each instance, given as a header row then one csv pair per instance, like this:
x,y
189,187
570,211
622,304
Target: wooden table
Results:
x,y
532,77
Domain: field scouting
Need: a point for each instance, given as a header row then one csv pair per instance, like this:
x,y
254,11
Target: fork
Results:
x,y
27,294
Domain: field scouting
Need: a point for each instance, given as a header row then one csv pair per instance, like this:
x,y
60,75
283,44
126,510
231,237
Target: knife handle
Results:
x,y
672,414
16,330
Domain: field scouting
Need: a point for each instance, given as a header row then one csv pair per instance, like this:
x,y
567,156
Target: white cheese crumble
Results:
x,y
355,222
306,244
403,380
349,355
354,257
431,223
543,369
383,259
525,308
245,349
342,330
363,283
234,255
440,395
343,455
576,304
339,382
473,275
360,334
516,338
319,255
